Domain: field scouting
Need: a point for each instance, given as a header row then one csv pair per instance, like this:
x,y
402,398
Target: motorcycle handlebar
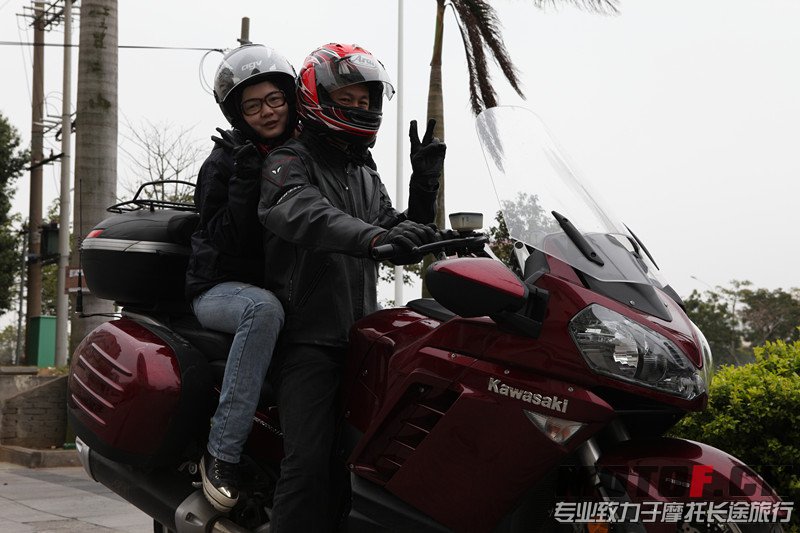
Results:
x,y
383,252
470,243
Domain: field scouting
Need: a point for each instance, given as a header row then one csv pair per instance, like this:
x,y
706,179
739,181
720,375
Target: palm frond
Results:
x,y
481,92
486,21
485,86
480,32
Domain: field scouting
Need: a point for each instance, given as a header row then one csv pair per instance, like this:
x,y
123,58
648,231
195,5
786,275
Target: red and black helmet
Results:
x,y
332,67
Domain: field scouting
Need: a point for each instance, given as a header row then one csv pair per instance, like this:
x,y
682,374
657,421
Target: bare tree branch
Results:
x,y
161,151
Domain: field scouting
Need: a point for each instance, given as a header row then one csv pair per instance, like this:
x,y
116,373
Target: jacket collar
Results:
x,y
334,151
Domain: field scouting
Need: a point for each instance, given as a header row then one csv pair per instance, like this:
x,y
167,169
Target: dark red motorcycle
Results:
x,y
532,396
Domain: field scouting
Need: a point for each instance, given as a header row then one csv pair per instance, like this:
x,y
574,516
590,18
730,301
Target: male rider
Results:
x,y
324,208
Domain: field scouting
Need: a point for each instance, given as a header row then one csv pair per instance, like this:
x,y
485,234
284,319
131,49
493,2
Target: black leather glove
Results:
x,y
405,236
247,160
427,157
225,140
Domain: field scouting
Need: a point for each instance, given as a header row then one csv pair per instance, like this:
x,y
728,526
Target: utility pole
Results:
x,y
245,33
398,270
34,301
19,352
95,144
62,300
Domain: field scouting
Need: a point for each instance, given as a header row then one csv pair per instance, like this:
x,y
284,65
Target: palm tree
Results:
x,y
96,139
480,32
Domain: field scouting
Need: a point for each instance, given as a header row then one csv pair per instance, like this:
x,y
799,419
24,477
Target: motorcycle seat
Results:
x,y
215,345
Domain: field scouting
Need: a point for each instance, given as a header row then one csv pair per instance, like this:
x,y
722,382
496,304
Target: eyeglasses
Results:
x,y
273,100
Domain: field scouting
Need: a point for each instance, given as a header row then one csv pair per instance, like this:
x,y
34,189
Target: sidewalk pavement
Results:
x,y
63,500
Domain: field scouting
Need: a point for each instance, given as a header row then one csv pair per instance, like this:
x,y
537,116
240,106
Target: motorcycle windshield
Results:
x,y
546,205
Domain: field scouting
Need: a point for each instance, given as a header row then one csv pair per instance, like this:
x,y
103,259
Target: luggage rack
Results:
x,y
137,203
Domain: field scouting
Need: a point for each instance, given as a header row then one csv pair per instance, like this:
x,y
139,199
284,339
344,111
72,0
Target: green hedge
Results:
x,y
754,414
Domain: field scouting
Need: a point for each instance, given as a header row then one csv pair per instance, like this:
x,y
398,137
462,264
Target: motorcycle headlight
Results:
x,y
616,346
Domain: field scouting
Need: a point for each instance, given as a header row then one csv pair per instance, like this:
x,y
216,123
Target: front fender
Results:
x,y
669,469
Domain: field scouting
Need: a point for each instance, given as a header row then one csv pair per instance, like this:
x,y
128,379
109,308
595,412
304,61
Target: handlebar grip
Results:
x,y
383,251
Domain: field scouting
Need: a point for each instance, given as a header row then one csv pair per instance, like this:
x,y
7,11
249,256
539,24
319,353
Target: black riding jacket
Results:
x,y
227,244
322,209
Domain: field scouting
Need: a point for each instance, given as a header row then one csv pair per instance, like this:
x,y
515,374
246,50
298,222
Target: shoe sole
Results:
x,y
218,501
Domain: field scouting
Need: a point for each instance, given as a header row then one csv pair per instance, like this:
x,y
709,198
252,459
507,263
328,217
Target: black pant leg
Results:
x,y
308,384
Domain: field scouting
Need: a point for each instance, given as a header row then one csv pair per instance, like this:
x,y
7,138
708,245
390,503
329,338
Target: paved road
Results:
x,y
61,500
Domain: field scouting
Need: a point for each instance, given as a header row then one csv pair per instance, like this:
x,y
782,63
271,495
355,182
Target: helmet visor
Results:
x,y
350,70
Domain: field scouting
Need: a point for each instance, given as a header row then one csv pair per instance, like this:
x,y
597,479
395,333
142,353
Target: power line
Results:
x,y
121,46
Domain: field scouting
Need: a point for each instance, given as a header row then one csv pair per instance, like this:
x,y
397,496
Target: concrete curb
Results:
x,y
33,458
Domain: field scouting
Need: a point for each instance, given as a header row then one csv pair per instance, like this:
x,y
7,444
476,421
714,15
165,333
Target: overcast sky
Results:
x,y
685,115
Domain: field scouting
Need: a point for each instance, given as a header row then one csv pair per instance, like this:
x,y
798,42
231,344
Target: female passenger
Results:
x,y
254,87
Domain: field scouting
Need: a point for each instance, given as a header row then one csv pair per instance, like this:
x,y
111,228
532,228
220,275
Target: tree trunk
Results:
x,y
436,101
95,141
436,110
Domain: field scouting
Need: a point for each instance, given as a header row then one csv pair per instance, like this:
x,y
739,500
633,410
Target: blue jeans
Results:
x,y
255,317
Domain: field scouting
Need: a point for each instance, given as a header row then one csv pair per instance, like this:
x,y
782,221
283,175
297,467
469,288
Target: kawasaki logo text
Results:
x,y
551,402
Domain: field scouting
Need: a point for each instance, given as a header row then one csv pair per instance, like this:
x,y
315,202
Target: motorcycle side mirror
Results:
x,y
475,286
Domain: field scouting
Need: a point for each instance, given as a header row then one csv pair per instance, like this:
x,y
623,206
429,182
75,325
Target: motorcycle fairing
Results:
x,y
420,387
420,428
672,469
